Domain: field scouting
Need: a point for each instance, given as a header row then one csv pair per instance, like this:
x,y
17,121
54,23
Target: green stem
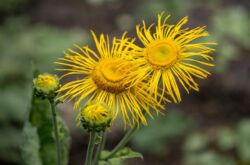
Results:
x,y
100,147
91,147
58,146
122,143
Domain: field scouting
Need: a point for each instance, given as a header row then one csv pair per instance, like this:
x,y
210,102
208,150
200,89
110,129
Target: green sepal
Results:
x,y
95,128
50,96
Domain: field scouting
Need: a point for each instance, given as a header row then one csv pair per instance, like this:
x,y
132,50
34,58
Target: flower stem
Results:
x,y
122,143
100,147
58,146
91,147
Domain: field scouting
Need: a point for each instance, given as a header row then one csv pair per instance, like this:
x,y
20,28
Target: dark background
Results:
x,y
211,127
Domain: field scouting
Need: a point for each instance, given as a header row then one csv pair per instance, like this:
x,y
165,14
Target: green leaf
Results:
x,y
127,153
31,145
40,118
119,157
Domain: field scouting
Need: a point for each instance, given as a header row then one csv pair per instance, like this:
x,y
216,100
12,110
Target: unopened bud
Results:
x,y
95,117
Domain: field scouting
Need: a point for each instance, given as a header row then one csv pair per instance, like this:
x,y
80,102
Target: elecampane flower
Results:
x,y
170,57
106,79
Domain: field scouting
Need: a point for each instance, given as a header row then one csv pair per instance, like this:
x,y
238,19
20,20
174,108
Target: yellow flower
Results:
x,y
95,116
46,83
169,57
105,77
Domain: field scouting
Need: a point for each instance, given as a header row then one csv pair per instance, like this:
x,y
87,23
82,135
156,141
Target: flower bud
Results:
x,y
95,117
46,85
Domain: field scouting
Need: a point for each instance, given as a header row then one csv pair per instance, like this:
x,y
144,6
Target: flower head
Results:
x,y
170,57
106,77
46,85
95,117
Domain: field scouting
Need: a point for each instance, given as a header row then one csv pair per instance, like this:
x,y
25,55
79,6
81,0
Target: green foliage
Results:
x,y
13,104
42,134
149,9
119,157
239,30
197,151
31,145
22,44
12,111
243,140
207,158
163,130
40,44
9,140
195,142
226,139
232,37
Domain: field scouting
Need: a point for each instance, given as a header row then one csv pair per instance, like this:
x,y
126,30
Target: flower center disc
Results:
x,y
109,75
161,54
112,72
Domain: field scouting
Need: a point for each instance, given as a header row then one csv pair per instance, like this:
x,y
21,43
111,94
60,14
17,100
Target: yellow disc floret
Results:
x,y
95,117
46,83
110,74
161,54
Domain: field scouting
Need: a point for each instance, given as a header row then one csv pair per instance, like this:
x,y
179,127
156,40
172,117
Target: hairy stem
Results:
x,y
54,120
91,147
122,143
100,147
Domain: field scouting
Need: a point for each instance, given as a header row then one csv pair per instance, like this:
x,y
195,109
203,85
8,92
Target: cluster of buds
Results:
x,y
46,86
95,117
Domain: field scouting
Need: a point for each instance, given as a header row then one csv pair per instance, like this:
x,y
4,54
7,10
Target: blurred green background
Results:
x,y
211,127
